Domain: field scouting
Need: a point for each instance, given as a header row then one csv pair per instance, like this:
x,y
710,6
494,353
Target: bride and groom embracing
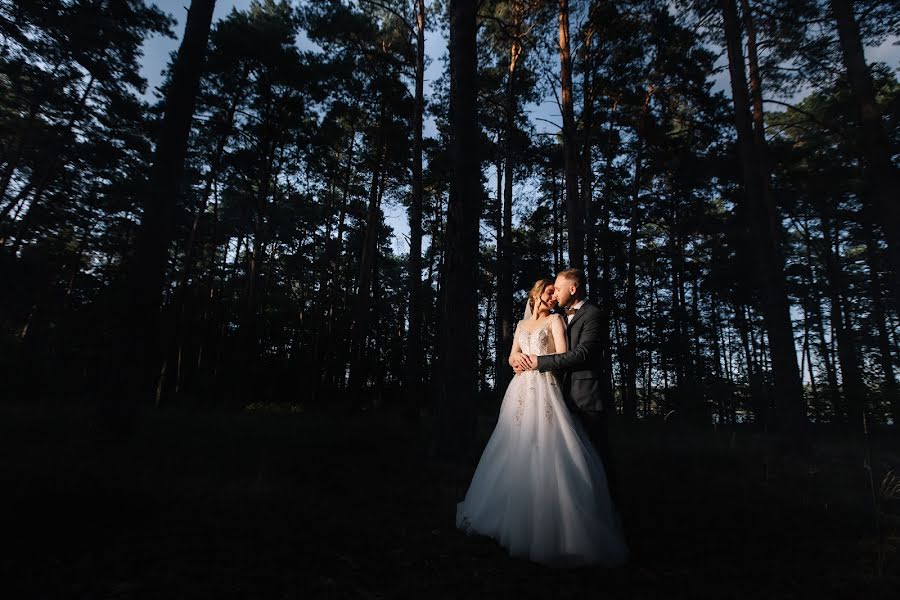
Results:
x,y
541,489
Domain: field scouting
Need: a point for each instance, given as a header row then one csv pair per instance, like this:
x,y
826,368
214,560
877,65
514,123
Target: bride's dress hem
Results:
x,y
573,561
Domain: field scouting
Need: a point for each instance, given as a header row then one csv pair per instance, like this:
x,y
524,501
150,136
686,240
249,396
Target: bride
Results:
x,y
540,488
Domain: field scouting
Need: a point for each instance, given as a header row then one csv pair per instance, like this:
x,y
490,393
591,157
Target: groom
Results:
x,y
580,365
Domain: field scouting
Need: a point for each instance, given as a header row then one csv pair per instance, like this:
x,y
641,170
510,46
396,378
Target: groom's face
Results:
x,y
564,290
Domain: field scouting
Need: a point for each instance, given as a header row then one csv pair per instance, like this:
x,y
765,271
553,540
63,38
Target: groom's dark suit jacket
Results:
x,y
580,365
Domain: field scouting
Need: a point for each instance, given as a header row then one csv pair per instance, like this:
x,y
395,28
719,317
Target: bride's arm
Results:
x,y
559,334
516,358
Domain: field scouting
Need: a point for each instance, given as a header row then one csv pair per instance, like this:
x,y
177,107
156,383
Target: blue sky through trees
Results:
x,y
157,52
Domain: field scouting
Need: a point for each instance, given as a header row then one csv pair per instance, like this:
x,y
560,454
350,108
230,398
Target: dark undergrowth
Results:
x,y
302,505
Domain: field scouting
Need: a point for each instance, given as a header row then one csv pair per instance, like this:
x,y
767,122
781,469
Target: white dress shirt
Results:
x,y
575,306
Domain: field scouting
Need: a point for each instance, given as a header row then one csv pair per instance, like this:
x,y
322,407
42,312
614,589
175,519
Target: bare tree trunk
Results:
x,y
215,163
807,358
758,395
814,307
834,390
875,142
499,363
766,229
329,271
759,127
557,236
570,150
629,401
504,271
852,384
146,276
458,346
679,321
605,297
134,353
889,384
587,165
414,335
485,350
648,386
362,300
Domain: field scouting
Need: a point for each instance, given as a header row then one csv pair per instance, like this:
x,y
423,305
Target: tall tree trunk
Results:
x,y
414,274
499,362
570,150
814,307
834,390
504,270
889,383
807,358
457,369
766,229
145,277
851,379
557,234
876,145
248,333
329,271
484,354
629,401
651,329
605,297
362,301
215,163
758,395
587,165
759,126
679,317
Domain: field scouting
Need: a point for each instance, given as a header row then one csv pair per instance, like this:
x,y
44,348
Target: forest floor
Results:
x,y
263,505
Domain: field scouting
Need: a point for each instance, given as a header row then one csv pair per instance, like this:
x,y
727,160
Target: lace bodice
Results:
x,y
538,341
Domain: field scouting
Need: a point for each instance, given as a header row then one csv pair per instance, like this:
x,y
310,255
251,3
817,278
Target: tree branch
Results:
x,y
810,116
386,8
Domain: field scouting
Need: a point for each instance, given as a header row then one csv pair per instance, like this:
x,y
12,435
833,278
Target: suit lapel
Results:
x,y
577,315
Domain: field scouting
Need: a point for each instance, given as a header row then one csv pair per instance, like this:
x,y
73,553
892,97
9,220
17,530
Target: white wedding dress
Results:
x,y
540,487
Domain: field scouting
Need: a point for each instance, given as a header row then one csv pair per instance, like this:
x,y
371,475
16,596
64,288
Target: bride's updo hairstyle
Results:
x,y
536,290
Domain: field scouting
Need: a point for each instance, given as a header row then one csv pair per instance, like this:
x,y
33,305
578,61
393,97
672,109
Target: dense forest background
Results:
x,y
232,242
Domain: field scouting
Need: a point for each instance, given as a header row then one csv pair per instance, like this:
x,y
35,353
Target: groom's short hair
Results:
x,y
577,277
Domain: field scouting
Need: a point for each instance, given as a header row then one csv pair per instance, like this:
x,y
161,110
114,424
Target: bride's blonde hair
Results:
x,y
536,290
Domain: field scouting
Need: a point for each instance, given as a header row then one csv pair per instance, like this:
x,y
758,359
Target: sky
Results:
x,y
158,49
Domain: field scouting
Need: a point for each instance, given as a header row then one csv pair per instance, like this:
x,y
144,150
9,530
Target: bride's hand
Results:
x,y
518,361
522,362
